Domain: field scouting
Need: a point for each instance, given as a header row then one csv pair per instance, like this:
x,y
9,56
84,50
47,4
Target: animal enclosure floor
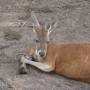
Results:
x,y
16,36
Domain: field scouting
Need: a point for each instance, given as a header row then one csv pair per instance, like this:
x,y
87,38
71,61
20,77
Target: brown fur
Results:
x,y
70,60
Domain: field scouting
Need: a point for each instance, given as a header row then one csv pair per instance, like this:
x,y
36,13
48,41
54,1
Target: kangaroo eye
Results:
x,y
37,41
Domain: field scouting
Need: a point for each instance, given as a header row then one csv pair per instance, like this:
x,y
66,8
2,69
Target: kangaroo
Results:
x,y
71,60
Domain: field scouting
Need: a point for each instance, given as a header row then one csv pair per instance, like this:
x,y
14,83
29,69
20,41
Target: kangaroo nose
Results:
x,y
41,54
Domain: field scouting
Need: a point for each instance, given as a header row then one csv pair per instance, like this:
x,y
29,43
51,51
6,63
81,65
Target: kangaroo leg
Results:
x,y
22,67
42,66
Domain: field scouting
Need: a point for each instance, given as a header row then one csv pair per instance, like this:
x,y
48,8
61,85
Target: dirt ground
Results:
x,y
16,36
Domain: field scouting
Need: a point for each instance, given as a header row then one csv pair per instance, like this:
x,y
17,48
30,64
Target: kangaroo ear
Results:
x,y
51,27
54,24
47,26
34,20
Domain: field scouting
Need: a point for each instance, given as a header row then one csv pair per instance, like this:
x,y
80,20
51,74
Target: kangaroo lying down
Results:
x,y
71,60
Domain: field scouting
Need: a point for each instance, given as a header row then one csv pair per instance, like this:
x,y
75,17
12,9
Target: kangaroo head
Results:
x,y
42,33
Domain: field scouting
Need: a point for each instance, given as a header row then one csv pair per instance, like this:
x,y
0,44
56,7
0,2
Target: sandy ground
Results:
x,y
16,36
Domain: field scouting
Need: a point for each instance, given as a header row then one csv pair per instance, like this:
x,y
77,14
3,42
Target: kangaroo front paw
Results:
x,y
22,67
23,64
23,70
